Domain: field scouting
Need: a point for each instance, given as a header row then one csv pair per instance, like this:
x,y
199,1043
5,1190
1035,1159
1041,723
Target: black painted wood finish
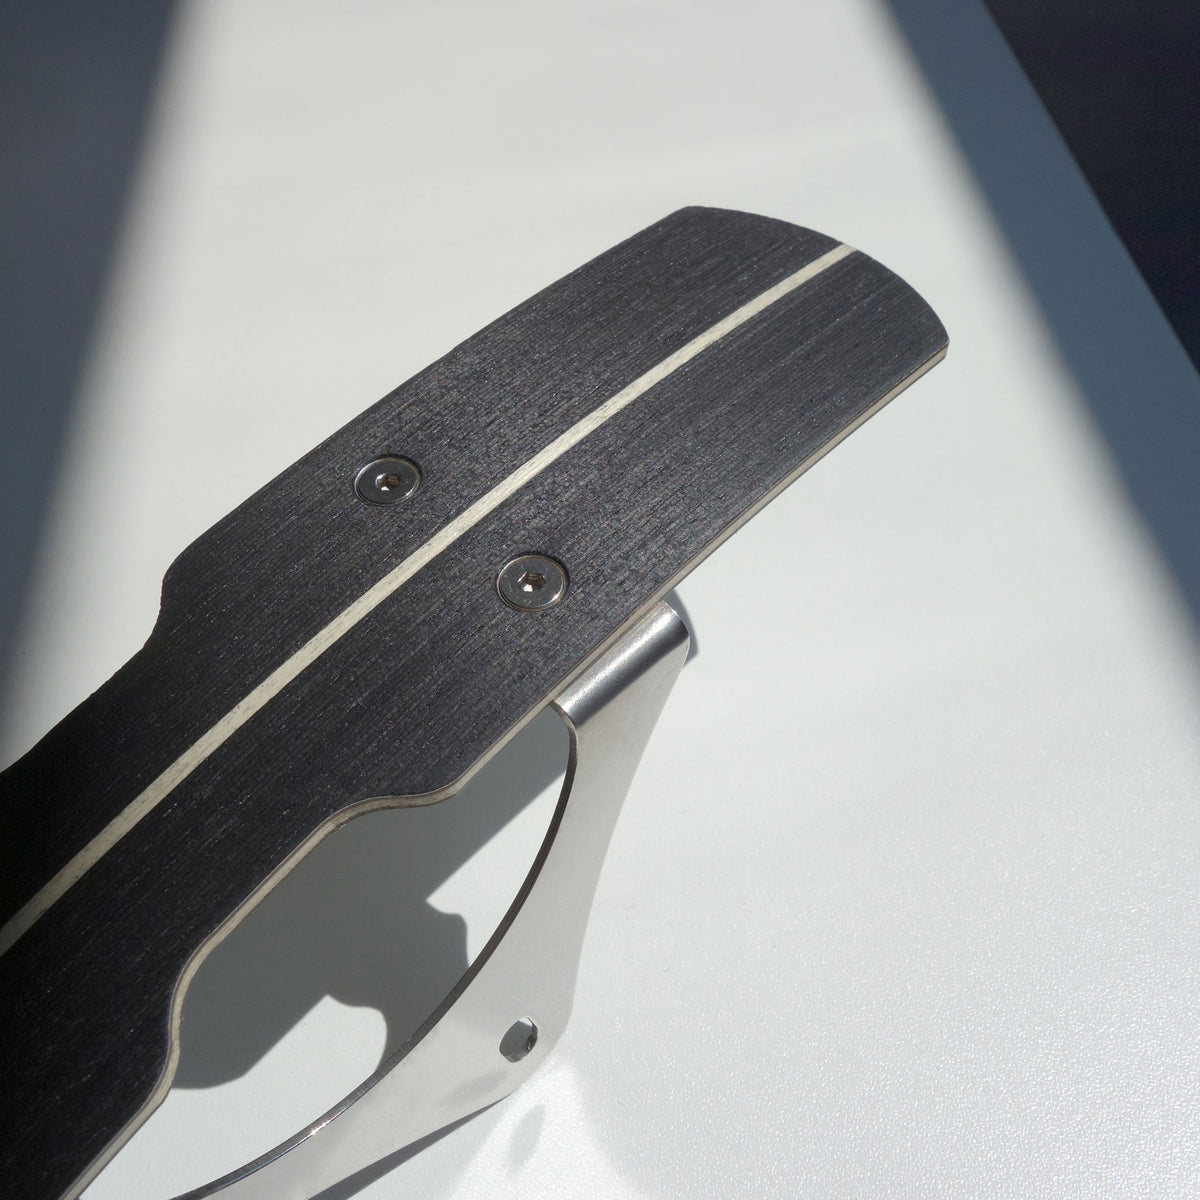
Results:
x,y
427,684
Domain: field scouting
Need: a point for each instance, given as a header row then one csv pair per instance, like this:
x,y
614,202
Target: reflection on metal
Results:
x,y
532,582
387,480
510,1008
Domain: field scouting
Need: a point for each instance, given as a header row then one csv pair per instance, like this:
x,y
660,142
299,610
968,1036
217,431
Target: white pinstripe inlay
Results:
x,y
304,657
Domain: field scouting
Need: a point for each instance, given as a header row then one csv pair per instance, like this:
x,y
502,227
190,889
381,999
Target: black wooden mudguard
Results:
x,y
714,370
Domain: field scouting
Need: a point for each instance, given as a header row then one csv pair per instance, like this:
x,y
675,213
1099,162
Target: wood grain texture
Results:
x,y
442,671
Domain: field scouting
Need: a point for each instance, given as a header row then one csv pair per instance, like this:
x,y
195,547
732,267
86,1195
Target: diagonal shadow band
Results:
x,y
76,89
1130,368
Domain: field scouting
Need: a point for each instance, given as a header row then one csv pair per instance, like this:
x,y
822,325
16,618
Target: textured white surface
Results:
x,y
904,900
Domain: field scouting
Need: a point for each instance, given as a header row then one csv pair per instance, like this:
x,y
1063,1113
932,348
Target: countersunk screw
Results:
x,y
387,480
532,582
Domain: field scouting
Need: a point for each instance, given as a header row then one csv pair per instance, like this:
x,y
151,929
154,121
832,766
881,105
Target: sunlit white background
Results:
x,y
904,899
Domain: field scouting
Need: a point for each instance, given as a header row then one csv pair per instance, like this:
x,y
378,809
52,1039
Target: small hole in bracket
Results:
x,y
521,1037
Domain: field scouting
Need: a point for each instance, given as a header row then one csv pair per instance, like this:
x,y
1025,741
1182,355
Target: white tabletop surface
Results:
x,y
904,900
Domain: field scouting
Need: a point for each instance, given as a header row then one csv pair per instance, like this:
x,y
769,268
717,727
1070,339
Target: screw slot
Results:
x,y
532,582
387,481
521,1037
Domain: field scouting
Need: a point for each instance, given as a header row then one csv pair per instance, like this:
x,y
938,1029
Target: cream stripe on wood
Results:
x,y
274,683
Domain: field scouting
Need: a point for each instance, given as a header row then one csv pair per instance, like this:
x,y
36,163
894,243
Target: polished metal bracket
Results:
x,y
508,1010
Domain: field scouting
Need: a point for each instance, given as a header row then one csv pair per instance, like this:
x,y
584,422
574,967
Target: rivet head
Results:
x,y
387,480
532,582
520,1039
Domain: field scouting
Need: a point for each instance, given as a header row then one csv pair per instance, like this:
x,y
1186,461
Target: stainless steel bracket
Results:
x,y
506,1013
